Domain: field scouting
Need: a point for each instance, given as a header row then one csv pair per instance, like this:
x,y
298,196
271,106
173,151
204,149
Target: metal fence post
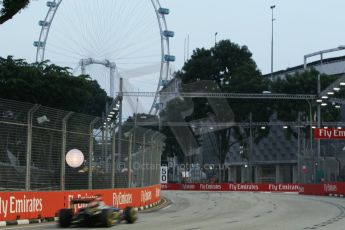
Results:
x,y
91,152
63,151
299,178
28,147
113,159
105,156
150,170
130,161
153,149
143,161
144,164
157,170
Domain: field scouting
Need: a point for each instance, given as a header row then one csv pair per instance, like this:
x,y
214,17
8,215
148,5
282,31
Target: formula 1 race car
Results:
x,y
95,213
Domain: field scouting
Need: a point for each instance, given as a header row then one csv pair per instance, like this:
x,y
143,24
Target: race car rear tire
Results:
x,y
107,218
130,215
65,218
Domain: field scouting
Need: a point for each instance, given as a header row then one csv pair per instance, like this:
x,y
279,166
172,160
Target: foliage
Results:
x,y
50,85
11,8
303,83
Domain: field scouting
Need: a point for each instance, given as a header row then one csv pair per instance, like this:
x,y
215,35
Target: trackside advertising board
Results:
x,y
329,134
325,189
33,205
240,187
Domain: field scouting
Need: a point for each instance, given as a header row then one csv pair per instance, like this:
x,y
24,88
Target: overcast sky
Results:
x,y
301,27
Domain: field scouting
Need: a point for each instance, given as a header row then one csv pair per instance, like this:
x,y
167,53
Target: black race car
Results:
x,y
95,213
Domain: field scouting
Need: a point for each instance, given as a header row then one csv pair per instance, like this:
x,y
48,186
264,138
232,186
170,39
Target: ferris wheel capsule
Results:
x,y
163,11
43,23
38,44
168,33
169,58
51,4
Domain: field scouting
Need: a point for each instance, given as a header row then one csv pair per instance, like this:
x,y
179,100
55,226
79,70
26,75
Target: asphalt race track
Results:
x,y
230,210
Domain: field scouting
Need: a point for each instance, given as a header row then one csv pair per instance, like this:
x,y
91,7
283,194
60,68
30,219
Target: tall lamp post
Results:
x,y
215,38
342,47
273,19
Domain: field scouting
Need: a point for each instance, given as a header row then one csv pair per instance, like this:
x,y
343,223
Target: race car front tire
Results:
x,y
107,218
65,218
130,215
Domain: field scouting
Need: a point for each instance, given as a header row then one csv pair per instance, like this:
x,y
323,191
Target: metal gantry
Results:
x,y
215,125
224,95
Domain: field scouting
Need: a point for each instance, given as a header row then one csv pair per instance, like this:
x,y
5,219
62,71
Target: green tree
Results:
x,y
50,85
11,8
303,83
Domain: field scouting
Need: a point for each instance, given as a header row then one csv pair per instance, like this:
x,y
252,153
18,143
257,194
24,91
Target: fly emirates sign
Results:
x,y
329,134
16,205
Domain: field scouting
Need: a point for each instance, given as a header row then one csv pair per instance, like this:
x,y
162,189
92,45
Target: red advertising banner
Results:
x,y
335,188
332,188
33,205
312,189
240,187
326,134
325,189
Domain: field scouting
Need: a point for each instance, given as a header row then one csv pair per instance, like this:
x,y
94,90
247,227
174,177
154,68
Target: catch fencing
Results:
x,y
34,140
284,155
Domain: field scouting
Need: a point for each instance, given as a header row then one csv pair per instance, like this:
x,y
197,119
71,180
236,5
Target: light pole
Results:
x,y
342,47
215,38
250,149
273,19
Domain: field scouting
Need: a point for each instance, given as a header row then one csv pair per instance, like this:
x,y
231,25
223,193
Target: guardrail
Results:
x,y
43,205
240,187
324,189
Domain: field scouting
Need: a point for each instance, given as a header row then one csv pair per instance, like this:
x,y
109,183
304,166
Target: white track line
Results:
x,y
27,226
167,207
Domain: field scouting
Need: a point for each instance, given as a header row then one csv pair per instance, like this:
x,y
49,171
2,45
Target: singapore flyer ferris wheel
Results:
x,y
109,39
